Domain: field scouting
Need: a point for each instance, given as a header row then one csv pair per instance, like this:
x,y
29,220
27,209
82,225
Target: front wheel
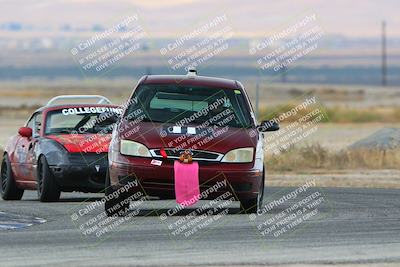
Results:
x,y
47,187
254,204
9,189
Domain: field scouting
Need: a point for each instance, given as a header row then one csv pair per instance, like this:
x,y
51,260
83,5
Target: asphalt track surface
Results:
x,y
351,226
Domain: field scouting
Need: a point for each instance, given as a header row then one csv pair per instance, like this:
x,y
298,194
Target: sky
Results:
x,y
166,18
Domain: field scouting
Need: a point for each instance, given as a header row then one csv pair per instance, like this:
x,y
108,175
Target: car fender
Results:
x,y
54,152
259,153
11,147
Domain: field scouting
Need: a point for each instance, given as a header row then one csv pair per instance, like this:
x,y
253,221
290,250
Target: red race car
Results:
x,y
62,147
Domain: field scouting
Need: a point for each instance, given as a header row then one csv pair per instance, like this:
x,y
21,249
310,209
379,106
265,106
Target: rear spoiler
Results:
x,y
98,98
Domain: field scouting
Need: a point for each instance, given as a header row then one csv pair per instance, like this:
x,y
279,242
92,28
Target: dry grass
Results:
x,y
317,157
46,91
338,114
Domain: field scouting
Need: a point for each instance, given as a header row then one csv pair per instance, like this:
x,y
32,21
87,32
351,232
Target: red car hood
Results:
x,y
83,143
155,135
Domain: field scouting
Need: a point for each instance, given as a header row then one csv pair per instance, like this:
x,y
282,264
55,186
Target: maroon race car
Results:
x,y
62,147
169,117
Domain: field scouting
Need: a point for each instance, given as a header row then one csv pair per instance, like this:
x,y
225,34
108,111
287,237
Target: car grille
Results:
x,y
198,155
86,158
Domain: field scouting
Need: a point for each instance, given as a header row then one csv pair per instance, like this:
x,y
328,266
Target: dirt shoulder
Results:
x,y
339,178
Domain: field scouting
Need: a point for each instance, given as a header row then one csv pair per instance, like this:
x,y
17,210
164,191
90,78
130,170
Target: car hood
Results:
x,y
83,143
216,139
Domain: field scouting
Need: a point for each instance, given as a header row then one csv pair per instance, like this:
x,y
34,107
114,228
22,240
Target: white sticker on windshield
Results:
x,y
176,129
191,130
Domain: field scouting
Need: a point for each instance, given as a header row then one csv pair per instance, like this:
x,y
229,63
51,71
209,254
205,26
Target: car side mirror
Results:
x,y
25,132
268,126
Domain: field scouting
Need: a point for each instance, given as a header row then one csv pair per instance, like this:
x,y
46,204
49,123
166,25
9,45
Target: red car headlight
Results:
x,y
132,148
239,155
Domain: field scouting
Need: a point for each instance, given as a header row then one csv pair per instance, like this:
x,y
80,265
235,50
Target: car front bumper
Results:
x,y
243,180
84,173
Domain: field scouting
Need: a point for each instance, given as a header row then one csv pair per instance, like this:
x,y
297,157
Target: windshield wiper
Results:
x,y
61,131
149,120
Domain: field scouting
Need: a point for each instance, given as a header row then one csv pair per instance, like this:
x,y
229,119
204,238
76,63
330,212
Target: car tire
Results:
x,y
47,187
9,189
253,205
115,203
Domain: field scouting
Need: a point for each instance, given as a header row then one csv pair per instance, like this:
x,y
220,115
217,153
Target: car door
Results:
x,y
30,162
25,150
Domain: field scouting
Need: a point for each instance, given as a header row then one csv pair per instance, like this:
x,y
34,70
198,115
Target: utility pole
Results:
x,y
384,57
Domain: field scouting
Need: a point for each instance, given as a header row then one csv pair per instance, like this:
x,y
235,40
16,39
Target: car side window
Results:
x,y
38,124
35,123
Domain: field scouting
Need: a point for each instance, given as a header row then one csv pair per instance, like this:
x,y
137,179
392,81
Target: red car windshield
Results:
x,y
81,120
177,104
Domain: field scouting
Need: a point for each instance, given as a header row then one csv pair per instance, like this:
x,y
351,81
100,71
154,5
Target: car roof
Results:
x,y
192,80
62,106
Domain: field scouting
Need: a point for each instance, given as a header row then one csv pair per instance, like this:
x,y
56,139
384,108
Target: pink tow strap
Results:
x,y
187,190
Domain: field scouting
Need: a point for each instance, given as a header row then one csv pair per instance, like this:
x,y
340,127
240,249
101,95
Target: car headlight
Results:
x,y
240,155
131,148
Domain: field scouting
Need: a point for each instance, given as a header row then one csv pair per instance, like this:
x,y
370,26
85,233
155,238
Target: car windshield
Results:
x,y
81,120
181,105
